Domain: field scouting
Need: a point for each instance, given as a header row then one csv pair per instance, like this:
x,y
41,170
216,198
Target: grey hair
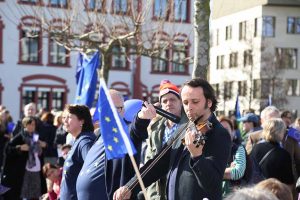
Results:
x,y
273,129
251,194
269,112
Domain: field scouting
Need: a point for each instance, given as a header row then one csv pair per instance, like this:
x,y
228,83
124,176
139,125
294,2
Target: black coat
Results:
x,y
196,178
119,171
14,168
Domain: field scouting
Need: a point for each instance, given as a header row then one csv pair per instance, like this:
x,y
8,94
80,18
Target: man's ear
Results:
x,y
209,103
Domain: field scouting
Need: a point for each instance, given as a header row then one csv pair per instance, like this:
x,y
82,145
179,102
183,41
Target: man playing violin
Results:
x,y
194,169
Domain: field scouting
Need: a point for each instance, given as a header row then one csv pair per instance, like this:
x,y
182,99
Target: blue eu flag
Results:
x,y
114,131
237,108
87,82
294,133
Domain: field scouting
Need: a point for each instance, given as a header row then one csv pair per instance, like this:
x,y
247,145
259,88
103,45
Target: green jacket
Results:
x,y
156,129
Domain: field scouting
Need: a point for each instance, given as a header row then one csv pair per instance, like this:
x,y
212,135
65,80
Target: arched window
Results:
x,y
57,54
30,43
46,91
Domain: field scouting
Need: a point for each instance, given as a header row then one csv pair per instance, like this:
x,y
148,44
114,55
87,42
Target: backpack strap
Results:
x,y
264,158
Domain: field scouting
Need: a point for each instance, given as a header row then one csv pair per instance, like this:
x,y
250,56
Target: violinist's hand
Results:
x,y
42,144
189,139
147,111
23,147
122,193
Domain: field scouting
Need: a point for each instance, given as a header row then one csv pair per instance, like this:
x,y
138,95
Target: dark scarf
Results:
x,y
34,147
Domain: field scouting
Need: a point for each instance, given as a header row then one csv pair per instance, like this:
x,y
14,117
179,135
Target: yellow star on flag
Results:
x,y
116,139
115,130
107,119
110,147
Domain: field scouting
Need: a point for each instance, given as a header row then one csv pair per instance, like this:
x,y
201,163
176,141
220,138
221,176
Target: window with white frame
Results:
x,y
118,57
256,90
217,37
220,62
242,30
233,60
59,3
177,10
180,10
30,46
255,27
268,29
216,87
293,25
52,96
228,35
265,88
292,87
179,57
247,58
242,88
30,1
160,64
120,6
57,53
228,89
286,58
160,9
95,5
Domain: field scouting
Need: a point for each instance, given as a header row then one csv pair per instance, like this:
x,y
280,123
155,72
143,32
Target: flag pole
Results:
x,y
138,175
125,138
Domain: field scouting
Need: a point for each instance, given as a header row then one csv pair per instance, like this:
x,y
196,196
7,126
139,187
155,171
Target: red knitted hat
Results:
x,y
167,87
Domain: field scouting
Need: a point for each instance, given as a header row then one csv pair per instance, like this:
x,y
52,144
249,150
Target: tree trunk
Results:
x,y
104,72
201,42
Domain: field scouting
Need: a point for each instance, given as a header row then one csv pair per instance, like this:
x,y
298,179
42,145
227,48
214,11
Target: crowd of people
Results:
x,y
61,154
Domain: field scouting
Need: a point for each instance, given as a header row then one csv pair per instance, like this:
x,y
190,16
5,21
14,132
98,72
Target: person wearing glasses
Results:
x,y
99,177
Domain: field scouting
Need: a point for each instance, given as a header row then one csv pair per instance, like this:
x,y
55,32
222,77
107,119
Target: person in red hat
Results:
x,y
160,130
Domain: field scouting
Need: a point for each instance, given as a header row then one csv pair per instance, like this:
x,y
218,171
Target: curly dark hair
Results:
x,y
208,90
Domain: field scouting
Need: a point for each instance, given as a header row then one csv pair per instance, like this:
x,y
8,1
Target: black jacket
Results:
x,y
119,171
14,168
196,178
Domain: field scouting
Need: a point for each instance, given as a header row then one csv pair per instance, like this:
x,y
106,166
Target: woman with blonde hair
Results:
x,y
279,189
278,163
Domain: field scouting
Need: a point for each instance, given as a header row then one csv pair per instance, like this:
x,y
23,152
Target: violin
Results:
x,y
200,130
200,127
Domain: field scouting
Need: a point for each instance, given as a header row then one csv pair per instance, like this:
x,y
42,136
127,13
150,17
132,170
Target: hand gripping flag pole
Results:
x,y
114,131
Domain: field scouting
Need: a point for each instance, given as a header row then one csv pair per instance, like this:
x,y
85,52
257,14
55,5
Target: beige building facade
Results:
x,y
255,54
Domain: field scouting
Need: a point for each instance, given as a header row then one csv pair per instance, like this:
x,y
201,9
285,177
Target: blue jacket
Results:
x,y
99,177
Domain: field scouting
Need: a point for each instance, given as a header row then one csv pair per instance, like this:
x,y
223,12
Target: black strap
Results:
x,y
264,158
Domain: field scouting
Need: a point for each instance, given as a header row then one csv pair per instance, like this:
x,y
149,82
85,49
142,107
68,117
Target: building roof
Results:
x,y
226,7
